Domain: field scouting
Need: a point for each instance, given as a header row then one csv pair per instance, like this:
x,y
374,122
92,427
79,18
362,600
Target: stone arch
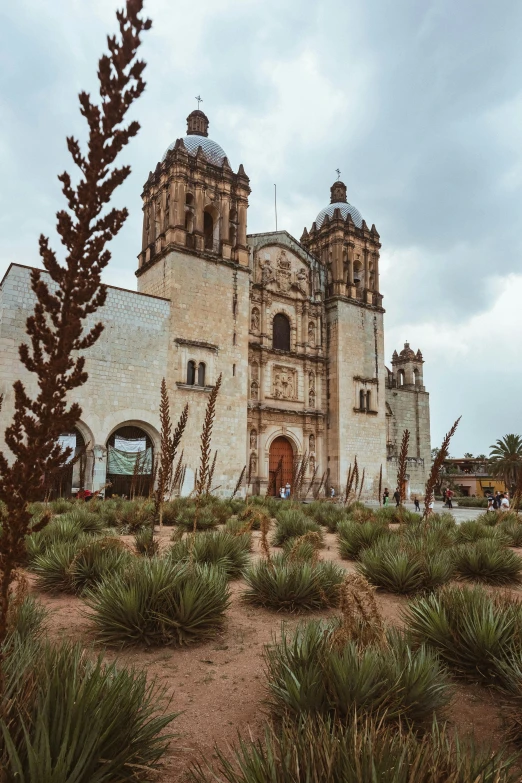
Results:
x,y
121,464
401,378
281,457
282,331
211,228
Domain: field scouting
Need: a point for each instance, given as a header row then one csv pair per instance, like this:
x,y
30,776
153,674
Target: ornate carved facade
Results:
x,y
295,329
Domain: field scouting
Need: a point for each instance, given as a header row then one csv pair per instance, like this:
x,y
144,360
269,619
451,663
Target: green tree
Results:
x,y
505,459
468,455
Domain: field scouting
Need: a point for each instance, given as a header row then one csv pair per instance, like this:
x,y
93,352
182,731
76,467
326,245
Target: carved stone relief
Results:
x,y
253,439
255,320
284,382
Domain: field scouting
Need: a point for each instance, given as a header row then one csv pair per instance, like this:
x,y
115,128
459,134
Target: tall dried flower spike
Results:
x,y
403,464
56,329
240,482
438,462
380,486
206,438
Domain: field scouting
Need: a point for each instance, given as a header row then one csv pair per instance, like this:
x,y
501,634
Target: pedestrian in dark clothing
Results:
x,y
416,501
449,495
385,497
397,498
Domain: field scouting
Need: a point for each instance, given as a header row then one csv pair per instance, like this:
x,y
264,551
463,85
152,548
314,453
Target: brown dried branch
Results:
x,y
312,481
403,464
211,472
356,475
438,462
379,498
349,482
321,483
361,620
206,438
56,329
362,484
273,479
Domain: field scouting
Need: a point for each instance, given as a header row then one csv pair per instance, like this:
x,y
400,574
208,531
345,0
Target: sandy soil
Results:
x,y
218,687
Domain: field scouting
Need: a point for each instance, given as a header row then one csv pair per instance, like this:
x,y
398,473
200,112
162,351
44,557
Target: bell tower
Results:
x,y
349,252
194,253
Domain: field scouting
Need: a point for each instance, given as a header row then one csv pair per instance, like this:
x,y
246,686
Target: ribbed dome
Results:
x,y
346,209
212,150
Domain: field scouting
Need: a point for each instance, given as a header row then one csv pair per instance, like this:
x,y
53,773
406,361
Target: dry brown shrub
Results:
x,y
18,592
361,620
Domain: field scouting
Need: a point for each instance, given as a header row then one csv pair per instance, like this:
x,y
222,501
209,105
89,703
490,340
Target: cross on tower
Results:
x,y
199,99
338,174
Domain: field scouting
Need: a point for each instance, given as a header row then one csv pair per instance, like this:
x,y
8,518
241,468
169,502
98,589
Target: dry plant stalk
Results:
x,y
362,484
401,470
273,480
178,473
356,475
240,481
361,620
436,467
380,486
297,484
168,450
312,538
319,488
56,328
211,472
349,482
264,522
206,438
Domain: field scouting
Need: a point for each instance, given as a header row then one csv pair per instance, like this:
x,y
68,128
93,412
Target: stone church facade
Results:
x,y
295,328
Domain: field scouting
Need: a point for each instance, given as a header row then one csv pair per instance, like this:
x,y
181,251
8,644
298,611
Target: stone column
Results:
x,y
99,473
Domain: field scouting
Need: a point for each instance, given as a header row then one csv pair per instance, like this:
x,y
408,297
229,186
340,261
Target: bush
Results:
x,y
52,568
293,586
511,531
472,502
219,548
292,523
405,568
159,602
145,542
325,513
61,505
488,561
396,516
206,519
27,620
470,629
320,751
472,530
82,721
302,548
96,560
58,531
354,537
87,520
134,514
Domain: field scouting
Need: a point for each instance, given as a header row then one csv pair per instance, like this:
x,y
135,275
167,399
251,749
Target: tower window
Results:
x,y
189,199
400,378
368,400
201,374
234,370
362,400
416,379
281,332
191,373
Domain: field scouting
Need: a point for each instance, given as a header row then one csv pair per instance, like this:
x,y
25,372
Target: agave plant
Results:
x,y
325,514
473,530
292,523
156,601
318,749
220,548
58,531
145,542
87,520
96,560
470,629
355,537
511,531
205,519
489,562
293,586
51,734
52,568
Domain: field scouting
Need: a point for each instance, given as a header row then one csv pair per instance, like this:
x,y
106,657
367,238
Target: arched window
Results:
x,y
400,378
362,400
210,226
191,373
368,400
416,378
201,374
189,199
281,332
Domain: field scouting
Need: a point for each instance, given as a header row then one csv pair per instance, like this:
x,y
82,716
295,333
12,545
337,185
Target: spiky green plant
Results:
x,y
354,537
156,601
326,514
62,506
472,530
52,568
405,569
87,520
83,721
292,523
317,750
145,543
489,562
58,531
96,560
220,548
292,586
470,629
511,532
204,519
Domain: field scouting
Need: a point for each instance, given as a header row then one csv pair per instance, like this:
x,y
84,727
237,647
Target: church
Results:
x,y
294,327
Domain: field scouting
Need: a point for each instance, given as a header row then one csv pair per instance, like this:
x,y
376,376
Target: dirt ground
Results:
x,y
218,687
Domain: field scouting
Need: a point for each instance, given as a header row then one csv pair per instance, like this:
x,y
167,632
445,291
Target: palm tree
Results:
x,y
506,459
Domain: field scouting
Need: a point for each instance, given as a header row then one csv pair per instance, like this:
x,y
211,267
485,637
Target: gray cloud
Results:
x,y
418,104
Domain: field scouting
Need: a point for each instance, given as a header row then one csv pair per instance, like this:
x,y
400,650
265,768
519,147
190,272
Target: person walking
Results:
x,y
496,501
287,491
385,497
397,497
490,503
417,504
449,495
332,492
504,503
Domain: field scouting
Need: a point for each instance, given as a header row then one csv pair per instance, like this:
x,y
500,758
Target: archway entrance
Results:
x,y
280,464
66,481
130,463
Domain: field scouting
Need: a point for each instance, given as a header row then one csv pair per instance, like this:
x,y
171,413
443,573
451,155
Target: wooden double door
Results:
x,y
280,465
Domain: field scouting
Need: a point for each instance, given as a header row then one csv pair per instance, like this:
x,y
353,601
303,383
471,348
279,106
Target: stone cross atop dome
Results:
x,y
197,123
338,193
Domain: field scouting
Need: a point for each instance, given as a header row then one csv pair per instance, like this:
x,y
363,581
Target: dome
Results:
x,y
214,153
345,208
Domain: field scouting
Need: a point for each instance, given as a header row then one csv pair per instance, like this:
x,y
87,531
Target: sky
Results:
x,y
419,104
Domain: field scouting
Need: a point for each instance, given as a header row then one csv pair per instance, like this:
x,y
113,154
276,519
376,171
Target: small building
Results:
x,y
472,477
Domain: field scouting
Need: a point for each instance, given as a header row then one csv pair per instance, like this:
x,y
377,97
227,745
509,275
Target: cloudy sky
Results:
x,y
418,103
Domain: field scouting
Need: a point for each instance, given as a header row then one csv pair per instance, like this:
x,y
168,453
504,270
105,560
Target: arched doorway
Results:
x,y
130,462
280,464
71,477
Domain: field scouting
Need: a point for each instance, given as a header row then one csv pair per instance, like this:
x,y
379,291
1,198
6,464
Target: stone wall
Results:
x,y
409,408
125,365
